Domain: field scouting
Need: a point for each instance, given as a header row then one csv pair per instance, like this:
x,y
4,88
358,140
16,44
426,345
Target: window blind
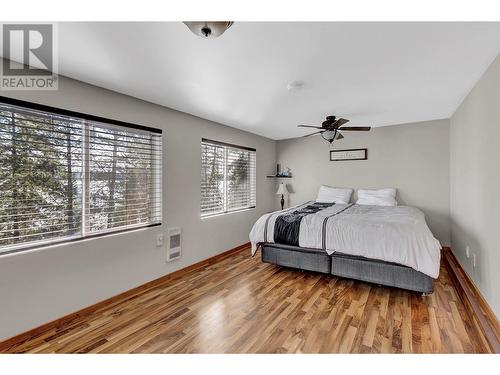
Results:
x,y
65,177
228,178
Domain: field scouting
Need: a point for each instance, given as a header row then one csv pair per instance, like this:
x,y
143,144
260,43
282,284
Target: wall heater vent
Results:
x,y
173,244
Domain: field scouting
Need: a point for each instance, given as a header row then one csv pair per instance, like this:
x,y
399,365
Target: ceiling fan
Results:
x,y
330,128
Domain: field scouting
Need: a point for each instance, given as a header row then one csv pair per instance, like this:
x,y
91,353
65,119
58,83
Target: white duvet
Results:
x,y
394,234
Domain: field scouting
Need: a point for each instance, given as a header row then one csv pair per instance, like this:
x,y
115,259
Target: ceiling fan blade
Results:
x,y
340,122
308,135
309,126
357,128
339,136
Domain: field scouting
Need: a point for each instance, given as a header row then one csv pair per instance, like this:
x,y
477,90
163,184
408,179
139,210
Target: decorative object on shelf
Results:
x,y
279,174
330,129
282,190
349,154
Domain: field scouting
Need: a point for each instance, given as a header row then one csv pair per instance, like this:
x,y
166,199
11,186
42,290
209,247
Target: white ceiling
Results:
x,y
372,73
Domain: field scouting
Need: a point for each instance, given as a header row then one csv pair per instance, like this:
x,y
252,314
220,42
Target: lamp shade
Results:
x,y
282,190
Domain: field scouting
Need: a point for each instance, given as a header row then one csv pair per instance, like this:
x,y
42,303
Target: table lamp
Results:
x,y
282,190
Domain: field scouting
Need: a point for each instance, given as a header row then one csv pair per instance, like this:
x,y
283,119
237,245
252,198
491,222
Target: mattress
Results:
x,y
396,235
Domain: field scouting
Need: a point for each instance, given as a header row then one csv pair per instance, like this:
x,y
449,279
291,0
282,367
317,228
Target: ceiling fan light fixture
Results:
x,y
331,127
329,135
208,29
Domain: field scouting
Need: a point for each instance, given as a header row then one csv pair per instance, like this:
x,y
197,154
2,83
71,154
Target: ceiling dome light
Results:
x,y
295,85
207,29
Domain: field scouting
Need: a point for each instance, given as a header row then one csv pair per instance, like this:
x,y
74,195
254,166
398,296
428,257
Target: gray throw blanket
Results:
x,y
287,225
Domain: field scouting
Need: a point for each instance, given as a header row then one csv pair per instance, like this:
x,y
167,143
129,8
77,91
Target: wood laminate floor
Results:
x,y
241,305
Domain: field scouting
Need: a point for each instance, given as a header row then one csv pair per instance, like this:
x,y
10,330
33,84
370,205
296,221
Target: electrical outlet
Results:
x,y
467,252
474,260
159,240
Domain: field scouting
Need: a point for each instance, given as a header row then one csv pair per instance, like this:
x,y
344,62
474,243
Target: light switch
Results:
x,y
159,240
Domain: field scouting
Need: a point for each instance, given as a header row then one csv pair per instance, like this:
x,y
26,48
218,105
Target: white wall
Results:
x,y
475,183
414,158
42,285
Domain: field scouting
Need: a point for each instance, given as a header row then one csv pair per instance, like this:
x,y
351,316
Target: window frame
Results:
x,y
84,235
228,146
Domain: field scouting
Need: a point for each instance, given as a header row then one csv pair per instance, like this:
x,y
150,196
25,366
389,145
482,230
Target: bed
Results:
x,y
390,246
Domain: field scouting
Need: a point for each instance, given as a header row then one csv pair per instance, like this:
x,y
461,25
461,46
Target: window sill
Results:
x,y
41,246
226,213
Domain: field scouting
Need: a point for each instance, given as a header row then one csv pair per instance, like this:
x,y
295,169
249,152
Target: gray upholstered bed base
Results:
x,y
358,268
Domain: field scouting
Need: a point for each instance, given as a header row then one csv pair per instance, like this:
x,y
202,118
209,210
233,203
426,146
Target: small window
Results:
x,y
227,178
65,177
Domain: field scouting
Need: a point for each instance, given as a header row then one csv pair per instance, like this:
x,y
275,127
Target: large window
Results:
x,y
65,176
227,178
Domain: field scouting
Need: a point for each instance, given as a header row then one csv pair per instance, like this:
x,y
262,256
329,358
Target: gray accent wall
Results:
x,y
414,158
39,286
475,184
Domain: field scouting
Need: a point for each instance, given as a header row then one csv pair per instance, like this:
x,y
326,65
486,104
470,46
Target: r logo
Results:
x,y
28,50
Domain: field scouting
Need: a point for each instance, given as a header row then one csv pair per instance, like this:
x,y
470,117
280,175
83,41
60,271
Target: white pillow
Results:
x,y
328,194
381,197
